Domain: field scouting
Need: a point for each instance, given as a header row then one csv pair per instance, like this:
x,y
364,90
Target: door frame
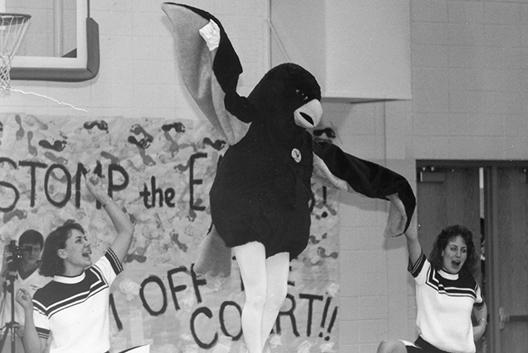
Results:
x,y
491,264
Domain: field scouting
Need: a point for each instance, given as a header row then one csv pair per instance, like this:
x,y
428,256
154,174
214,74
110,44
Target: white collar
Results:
x,y
447,275
69,279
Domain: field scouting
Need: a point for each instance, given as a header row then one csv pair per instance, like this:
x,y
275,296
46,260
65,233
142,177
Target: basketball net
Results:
x,y
12,29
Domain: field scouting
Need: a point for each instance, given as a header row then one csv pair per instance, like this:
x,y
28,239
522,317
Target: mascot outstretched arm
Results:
x,y
261,195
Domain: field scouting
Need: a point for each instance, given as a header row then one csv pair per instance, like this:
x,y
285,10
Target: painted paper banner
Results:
x,y
160,171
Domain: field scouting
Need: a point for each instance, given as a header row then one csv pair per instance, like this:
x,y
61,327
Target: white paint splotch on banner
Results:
x,y
160,171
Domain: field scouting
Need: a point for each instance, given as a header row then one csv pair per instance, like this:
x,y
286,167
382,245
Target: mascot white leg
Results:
x,y
265,286
251,259
277,271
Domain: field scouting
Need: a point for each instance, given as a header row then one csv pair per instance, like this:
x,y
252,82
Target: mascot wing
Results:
x,y
350,173
210,68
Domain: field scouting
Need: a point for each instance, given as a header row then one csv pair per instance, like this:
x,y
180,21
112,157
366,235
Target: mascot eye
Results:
x,y
301,94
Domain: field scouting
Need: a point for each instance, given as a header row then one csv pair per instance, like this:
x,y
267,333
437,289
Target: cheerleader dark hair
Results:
x,y
443,239
52,264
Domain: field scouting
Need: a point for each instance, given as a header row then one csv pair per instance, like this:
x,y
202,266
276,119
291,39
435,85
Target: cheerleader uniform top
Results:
x,y
444,304
74,311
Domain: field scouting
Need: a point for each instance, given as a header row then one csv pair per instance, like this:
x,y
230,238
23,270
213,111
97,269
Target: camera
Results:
x,y
15,255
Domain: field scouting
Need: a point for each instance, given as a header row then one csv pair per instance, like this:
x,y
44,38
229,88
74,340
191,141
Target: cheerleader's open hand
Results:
x,y
24,299
94,185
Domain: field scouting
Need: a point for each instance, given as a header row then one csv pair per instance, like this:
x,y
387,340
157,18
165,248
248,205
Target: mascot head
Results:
x,y
290,93
288,96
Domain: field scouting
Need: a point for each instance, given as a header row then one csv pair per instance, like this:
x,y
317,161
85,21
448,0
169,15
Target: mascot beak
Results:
x,y
309,114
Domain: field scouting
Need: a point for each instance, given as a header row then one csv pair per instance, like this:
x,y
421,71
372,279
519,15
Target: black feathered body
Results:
x,y
261,193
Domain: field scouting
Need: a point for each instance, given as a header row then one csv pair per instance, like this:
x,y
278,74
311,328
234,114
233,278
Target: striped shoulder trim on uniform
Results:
x,y
43,333
37,306
117,266
415,268
459,288
98,273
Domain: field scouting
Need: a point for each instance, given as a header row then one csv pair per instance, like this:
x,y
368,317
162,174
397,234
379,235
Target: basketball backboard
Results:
x,y
61,44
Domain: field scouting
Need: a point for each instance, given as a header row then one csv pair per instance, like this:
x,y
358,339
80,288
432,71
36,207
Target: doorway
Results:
x,y
491,199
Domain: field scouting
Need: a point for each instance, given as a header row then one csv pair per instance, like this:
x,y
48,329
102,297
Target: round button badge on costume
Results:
x,y
296,155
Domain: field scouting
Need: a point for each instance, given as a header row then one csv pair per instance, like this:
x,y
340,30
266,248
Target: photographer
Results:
x,y
19,270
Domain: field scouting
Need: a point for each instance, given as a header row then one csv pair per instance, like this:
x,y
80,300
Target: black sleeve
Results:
x,y
367,178
240,107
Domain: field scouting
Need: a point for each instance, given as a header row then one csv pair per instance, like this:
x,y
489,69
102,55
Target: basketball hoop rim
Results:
x,y
16,15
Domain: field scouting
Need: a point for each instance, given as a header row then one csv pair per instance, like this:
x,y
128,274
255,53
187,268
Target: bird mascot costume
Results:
x,y
261,196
